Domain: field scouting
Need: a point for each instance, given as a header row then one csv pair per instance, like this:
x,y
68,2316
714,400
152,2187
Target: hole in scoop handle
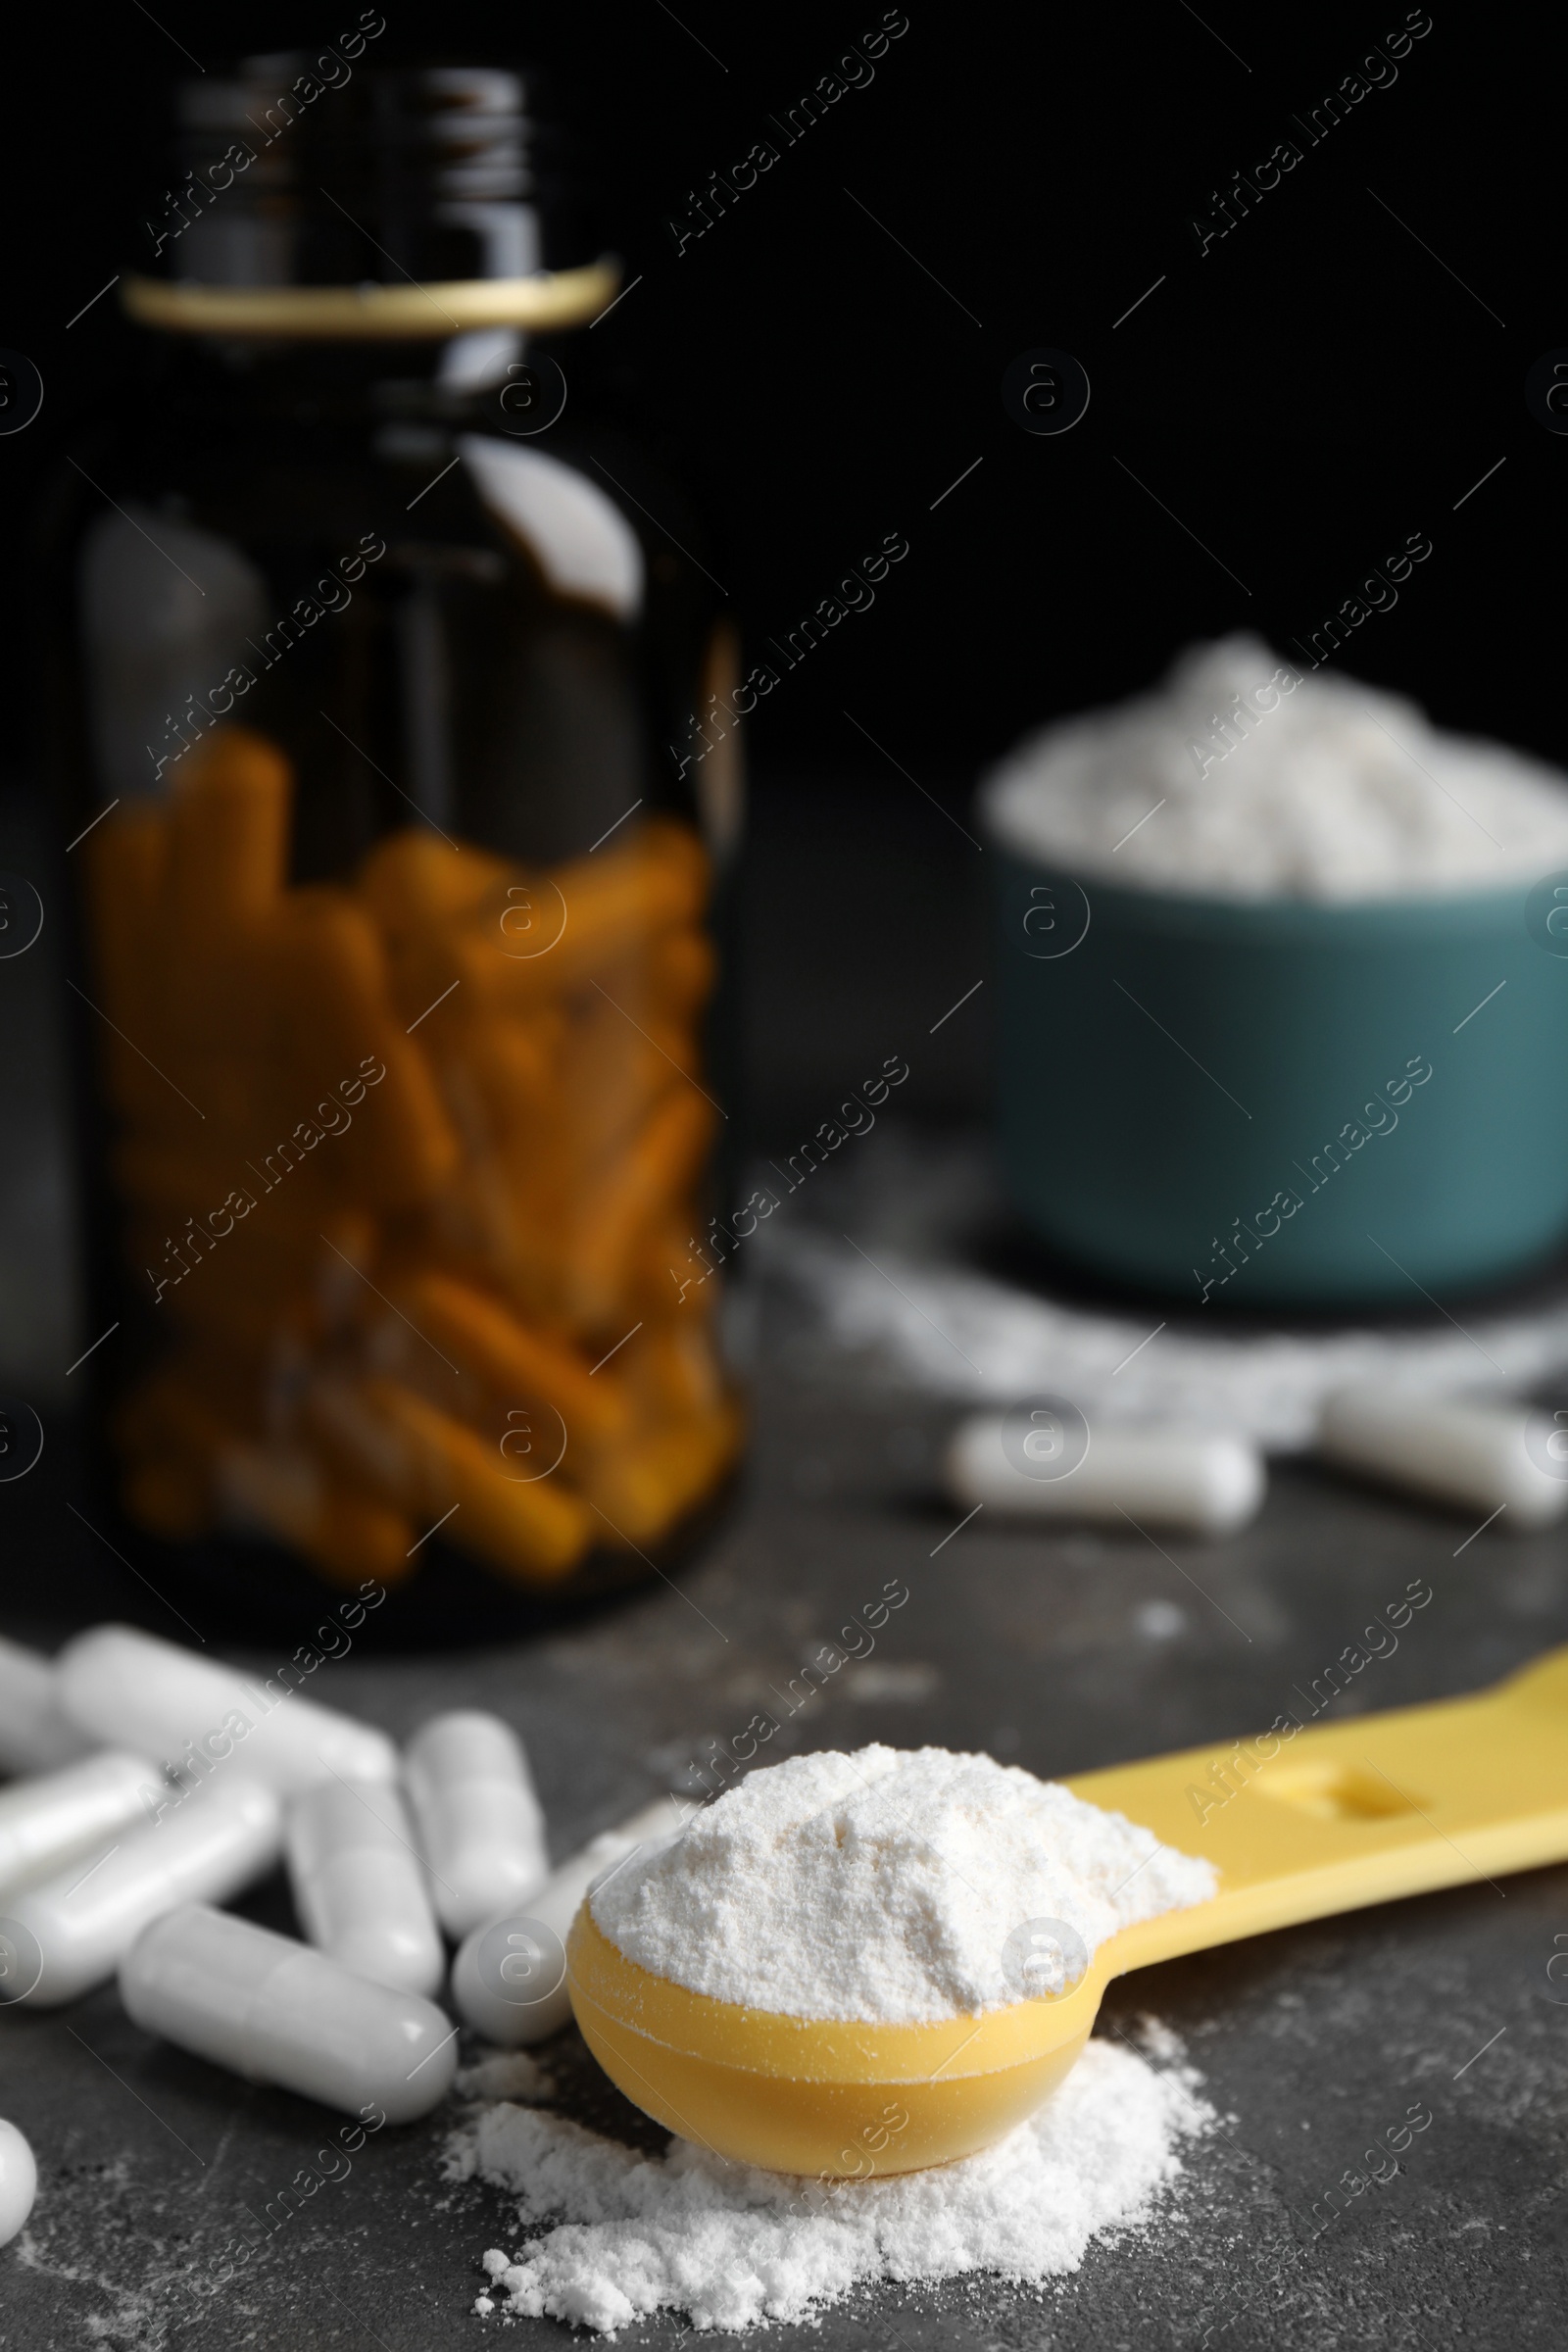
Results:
x,y
1310,1818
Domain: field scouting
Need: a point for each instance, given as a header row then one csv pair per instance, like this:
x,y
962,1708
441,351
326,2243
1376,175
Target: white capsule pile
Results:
x,y
158,1786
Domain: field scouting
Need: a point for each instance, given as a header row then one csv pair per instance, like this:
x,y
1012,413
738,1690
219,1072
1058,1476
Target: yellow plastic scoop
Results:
x,y
1349,1813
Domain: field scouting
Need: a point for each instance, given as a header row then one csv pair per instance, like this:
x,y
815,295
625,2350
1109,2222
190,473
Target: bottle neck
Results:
x,y
299,171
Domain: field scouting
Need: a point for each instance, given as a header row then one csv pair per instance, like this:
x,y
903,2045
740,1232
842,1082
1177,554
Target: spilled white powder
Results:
x,y
885,1886
1269,781
733,2246
918,1212
503,2075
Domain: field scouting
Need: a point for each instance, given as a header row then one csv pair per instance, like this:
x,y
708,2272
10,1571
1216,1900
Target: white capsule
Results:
x,y
278,2012
19,2181
62,1816
358,1885
481,1830
509,1979
1200,1481
1451,1448
35,1735
68,1934
151,1695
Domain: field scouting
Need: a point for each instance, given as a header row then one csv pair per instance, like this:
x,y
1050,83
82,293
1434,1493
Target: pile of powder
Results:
x,y
1241,777
885,1886
733,2246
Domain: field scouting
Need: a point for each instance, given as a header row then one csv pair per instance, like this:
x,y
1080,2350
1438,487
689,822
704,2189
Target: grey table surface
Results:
x,y
1060,1651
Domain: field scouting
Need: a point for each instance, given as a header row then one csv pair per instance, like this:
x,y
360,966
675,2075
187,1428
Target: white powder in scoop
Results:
x,y
1265,782
885,1886
733,2246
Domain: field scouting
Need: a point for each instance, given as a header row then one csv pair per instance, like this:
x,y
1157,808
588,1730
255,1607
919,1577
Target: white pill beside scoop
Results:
x,y
359,1887
35,1735
1453,1450
19,2181
276,2011
482,1828
1199,1480
123,1686
509,1983
62,1937
60,1816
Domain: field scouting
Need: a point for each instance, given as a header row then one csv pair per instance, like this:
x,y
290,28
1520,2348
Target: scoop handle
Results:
x,y
1303,1822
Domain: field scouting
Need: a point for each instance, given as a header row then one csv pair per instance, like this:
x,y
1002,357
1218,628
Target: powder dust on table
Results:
x,y
734,2247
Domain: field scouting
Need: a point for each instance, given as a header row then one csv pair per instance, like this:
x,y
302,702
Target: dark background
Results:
x,y
1301,397
1308,392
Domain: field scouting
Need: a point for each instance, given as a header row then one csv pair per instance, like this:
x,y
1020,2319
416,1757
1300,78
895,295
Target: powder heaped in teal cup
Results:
x,y
1225,1092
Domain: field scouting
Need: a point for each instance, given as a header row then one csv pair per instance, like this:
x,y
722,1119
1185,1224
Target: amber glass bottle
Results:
x,y
396,962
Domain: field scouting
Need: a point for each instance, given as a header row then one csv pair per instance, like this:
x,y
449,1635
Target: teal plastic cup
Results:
x,y
1283,1102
